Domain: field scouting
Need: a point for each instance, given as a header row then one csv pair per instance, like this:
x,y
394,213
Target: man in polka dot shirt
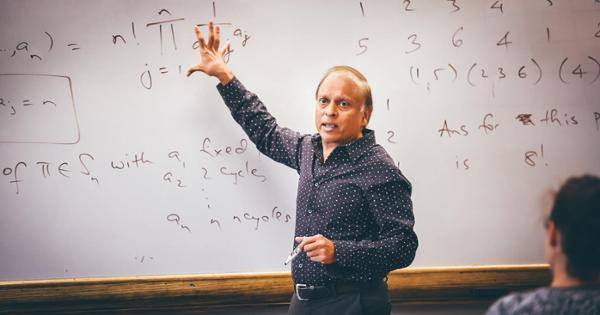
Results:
x,y
354,220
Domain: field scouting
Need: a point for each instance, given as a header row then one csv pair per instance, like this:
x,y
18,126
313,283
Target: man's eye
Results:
x,y
323,101
344,103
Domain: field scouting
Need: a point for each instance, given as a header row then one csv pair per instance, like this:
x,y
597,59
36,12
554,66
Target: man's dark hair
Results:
x,y
576,214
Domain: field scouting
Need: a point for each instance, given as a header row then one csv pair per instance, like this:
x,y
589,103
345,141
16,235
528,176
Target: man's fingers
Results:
x,y
199,37
308,243
217,41
225,49
194,69
304,241
312,246
211,35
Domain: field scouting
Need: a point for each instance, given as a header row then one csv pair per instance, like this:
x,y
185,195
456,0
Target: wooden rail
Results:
x,y
206,292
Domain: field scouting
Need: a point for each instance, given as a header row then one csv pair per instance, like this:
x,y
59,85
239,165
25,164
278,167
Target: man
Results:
x,y
572,246
354,220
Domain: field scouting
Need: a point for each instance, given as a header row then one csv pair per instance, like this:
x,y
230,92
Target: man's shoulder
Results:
x,y
549,301
378,165
519,303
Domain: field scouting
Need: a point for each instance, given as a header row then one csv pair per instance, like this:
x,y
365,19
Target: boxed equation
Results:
x,y
37,108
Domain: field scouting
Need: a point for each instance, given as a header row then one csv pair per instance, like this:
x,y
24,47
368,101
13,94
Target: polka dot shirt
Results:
x,y
357,198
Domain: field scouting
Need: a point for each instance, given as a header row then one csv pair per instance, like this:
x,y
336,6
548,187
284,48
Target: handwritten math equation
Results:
x,y
37,49
254,220
530,72
173,174
568,70
9,107
165,31
491,123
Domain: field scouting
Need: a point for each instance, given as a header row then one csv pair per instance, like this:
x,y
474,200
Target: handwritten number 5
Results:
x,y
456,7
362,45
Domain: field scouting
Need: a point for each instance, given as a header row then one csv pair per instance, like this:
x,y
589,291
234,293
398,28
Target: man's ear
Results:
x,y
552,235
366,117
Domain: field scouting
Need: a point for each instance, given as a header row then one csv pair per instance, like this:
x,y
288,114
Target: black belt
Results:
x,y
307,292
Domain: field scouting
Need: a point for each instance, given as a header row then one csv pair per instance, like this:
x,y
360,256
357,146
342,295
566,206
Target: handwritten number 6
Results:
x,y
457,42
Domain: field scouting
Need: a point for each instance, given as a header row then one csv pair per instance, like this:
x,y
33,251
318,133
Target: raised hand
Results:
x,y
212,60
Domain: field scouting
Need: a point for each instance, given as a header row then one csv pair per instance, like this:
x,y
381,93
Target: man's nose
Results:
x,y
330,109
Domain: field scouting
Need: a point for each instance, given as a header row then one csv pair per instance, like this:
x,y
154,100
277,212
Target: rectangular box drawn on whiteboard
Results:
x,y
37,108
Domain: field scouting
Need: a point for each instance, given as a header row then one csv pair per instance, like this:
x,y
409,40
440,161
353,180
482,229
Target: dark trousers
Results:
x,y
371,301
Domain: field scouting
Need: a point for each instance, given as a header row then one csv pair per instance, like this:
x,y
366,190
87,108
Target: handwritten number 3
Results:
x,y
414,42
597,35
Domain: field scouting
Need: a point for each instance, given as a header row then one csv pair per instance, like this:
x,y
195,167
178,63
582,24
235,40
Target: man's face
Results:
x,y
340,115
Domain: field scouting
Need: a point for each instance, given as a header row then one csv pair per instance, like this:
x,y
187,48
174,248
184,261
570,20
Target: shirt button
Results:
x,y
316,184
299,265
310,211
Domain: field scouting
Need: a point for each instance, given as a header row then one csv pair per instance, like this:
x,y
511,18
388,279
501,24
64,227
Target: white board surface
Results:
x,y
116,164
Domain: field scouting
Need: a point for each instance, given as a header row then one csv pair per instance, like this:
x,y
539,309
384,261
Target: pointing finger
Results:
x,y
217,39
211,35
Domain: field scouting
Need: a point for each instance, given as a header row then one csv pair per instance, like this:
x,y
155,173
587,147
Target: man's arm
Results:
x,y
281,144
396,242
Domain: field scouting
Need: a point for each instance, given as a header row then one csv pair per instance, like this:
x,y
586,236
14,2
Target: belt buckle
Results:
x,y
300,286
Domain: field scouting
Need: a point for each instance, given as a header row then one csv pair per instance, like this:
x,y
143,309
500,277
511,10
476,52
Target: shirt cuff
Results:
x,y
231,86
343,252
233,93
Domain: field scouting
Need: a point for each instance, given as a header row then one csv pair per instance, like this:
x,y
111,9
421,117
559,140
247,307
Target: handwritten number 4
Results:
x,y
504,41
501,6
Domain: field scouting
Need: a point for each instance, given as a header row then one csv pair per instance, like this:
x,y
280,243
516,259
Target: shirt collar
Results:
x,y
354,149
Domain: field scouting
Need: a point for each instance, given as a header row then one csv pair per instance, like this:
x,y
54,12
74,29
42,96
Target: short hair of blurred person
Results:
x,y
576,218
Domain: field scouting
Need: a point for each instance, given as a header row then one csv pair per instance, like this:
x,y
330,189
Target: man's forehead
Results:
x,y
344,75
344,78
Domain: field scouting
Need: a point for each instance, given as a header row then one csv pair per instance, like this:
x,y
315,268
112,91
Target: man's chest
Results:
x,y
332,197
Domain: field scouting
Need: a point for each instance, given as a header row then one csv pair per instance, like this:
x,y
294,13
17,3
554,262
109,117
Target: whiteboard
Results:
x,y
116,164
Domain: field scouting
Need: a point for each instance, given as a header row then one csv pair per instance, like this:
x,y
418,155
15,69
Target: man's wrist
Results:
x,y
225,77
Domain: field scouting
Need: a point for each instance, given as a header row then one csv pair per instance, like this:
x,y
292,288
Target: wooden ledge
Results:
x,y
235,290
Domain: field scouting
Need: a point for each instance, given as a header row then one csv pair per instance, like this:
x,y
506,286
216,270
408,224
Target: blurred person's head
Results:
x,y
573,232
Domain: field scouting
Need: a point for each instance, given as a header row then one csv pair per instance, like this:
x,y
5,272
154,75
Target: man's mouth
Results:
x,y
328,127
